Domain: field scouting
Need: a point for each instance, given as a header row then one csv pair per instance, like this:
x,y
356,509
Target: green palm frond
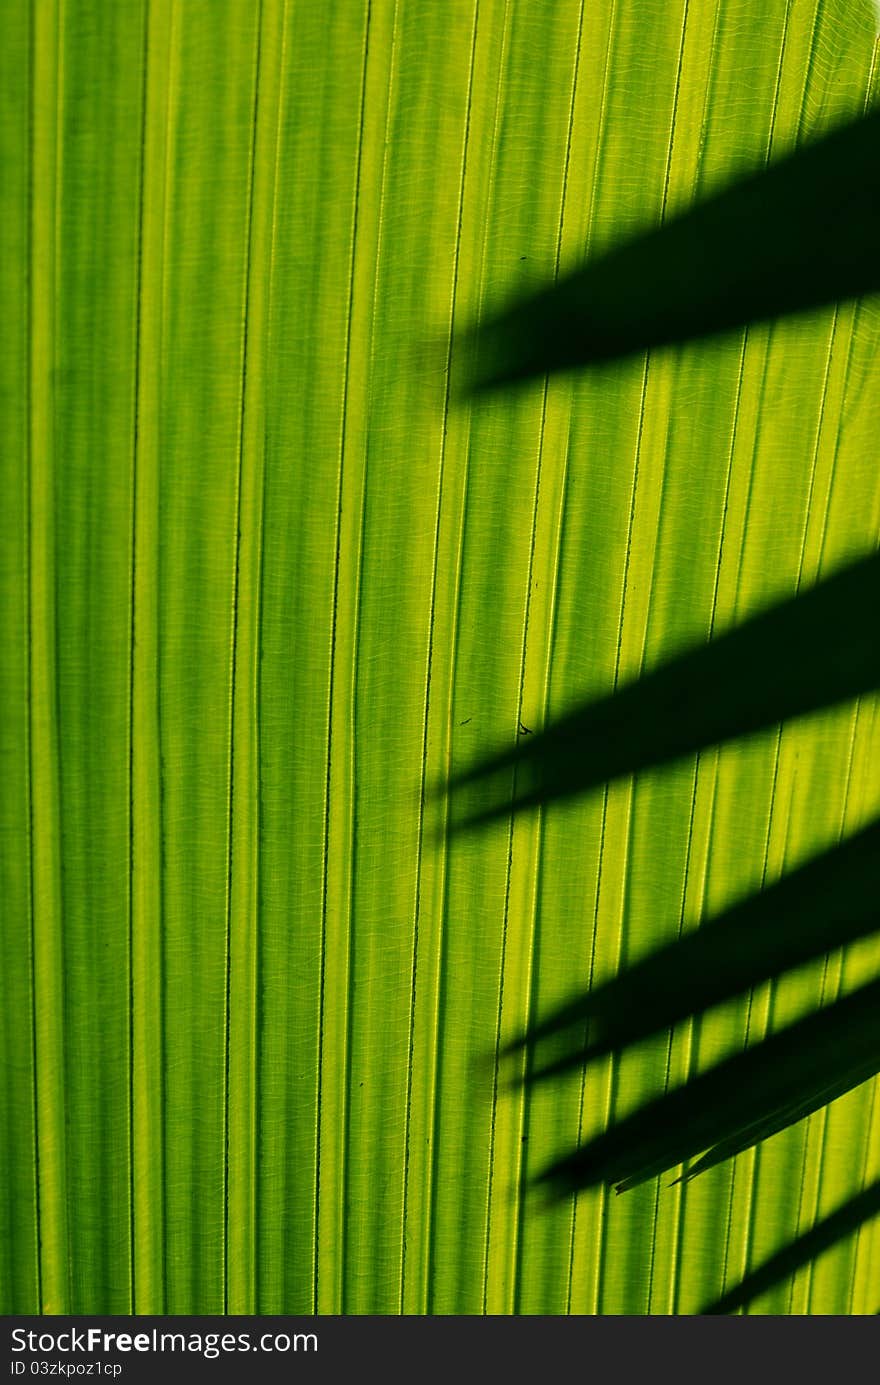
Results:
x,y
269,578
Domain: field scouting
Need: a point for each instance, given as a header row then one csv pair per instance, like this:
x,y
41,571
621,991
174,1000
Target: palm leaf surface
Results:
x,y
262,590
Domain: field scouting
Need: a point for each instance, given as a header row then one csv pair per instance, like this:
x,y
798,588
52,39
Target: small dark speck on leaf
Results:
x,y
524,730
524,257
465,722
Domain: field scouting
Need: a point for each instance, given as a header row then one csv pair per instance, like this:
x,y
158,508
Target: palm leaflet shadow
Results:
x,y
831,900
802,655
809,652
826,1233
736,1103
798,235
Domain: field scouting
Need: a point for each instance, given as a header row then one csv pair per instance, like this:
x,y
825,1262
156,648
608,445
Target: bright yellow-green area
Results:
x,y
262,585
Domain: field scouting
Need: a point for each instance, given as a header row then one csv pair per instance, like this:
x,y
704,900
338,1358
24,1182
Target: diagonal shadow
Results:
x,y
821,1237
831,900
737,1102
797,236
809,652
800,234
